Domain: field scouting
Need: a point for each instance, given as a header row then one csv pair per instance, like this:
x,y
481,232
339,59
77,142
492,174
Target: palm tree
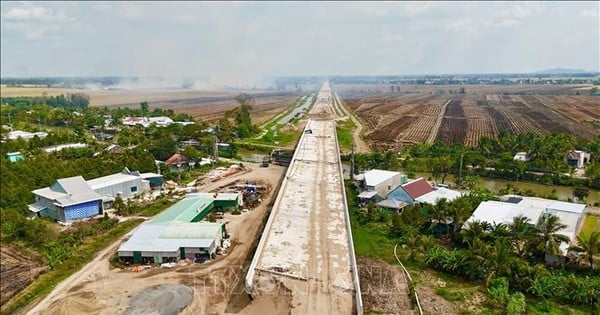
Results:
x,y
439,213
548,227
521,232
589,244
475,230
459,211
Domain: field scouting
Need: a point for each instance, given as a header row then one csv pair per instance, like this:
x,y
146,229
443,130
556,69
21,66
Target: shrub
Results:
x,y
516,304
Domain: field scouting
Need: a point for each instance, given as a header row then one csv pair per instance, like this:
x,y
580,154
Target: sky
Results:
x,y
246,41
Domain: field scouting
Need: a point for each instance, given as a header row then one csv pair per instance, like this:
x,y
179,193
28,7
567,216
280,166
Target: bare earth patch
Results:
x,y
383,286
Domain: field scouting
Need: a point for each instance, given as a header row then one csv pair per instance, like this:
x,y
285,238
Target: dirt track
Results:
x,y
361,145
99,289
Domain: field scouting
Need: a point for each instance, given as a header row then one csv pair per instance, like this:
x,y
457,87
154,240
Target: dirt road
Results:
x,y
100,289
361,145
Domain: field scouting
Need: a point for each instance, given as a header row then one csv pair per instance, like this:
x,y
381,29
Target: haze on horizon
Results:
x,y
243,42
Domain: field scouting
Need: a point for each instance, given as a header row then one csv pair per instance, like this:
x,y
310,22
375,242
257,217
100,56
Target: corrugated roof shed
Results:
x,y
185,210
153,237
417,188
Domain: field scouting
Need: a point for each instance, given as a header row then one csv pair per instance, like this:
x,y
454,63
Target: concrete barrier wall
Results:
x,y
261,244
358,297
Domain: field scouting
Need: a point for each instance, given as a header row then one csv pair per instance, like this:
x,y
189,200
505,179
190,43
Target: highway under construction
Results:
x,y
307,246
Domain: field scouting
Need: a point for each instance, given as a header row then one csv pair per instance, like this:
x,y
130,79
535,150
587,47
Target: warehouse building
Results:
x,y
176,233
75,198
66,200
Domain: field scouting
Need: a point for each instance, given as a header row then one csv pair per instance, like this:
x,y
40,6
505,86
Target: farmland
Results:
x,y
204,105
465,113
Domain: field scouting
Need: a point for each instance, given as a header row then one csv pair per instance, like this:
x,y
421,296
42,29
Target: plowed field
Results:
x,y
414,114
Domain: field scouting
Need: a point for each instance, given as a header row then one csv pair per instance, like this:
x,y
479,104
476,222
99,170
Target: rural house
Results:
x,y
496,212
578,158
419,190
379,181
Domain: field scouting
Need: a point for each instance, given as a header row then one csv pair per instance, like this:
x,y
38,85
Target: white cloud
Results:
x,y
27,11
590,13
413,9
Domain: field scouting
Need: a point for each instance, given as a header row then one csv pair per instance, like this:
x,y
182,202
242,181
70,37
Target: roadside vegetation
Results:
x,y
344,129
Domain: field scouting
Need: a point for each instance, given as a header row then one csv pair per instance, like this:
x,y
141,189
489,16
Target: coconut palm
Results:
x,y
438,214
475,230
589,244
548,227
459,212
521,231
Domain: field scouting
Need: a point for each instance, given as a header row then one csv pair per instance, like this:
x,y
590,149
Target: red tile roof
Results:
x,y
176,158
417,188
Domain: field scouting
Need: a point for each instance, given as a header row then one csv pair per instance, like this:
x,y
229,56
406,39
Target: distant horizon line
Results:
x,y
549,71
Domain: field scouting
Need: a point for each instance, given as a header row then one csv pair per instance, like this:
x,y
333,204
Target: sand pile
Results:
x,y
162,299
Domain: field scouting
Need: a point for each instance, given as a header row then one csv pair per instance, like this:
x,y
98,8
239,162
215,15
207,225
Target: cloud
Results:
x,y
239,42
35,22
590,13
27,11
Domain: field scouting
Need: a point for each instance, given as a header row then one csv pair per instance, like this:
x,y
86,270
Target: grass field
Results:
x,y
591,223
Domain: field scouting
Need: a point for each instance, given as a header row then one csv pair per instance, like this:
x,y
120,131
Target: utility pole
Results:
x,y
462,155
352,161
216,149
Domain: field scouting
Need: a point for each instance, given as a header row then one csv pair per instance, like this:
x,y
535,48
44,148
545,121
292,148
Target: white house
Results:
x,y
495,212
382,182
522,156
578,158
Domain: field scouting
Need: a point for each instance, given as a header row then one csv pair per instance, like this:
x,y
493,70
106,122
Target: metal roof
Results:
x,y
191,230
69,191
432,197
367,194
376,177
217,196
111,180
503,212
158,237
184,210
392,204
417,188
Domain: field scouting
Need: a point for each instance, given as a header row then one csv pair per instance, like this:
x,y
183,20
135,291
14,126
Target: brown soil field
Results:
x,y
204,105
18,269
413,114
383,287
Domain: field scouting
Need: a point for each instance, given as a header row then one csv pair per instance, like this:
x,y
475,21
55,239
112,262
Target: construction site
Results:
x,y
306,248
181,286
